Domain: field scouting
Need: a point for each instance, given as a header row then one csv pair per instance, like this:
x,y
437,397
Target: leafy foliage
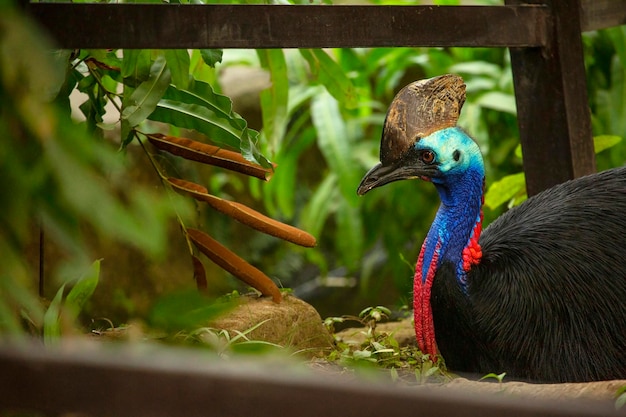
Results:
x,y
65,311
55,177
382,350
620,399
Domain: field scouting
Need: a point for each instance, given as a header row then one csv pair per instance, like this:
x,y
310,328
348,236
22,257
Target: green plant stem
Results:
x,y
165,184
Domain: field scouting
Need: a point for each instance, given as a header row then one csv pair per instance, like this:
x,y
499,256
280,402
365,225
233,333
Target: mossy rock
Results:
x,y
292,323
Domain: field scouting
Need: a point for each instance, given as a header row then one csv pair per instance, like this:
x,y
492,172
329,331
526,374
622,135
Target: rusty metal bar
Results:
x,y
140,380
270,26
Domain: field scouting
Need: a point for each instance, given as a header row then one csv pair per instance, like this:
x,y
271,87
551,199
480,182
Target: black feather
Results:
x,y
548,300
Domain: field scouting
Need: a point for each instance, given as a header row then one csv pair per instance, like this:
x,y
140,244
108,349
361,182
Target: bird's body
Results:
x,y
547,301
541,293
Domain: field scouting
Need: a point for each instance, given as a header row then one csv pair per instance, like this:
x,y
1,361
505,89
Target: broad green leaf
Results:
x,y
279,194
618,38
332,138
603,142
331,75
320,205
285,182
274,100
51,318
497,100
178,64
349,234
488,69
185,310
106,57
211,56
200,71
620,400
600,143
209,113
136,64
505,189
139,220
145,98
200,119
82,290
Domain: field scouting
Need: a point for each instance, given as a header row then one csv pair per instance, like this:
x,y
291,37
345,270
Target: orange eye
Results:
x,y
428,157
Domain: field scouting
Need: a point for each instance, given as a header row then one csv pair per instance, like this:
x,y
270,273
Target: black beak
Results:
x,y
380,174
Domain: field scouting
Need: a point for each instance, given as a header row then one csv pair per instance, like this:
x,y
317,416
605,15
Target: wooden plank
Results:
x,y
602,14
270,26
142,380
552,105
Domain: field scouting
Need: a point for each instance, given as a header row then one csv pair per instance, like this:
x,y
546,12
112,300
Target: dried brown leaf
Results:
x,y
245,214
199,274
232,263
208,154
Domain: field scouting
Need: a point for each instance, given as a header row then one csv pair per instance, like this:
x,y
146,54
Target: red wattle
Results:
x,y
422,311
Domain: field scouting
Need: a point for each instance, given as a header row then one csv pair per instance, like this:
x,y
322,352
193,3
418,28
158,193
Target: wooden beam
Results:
x,y
140,380
164,26
552,105
602,14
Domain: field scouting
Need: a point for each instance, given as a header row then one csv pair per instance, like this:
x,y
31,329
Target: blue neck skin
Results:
x,y
461,192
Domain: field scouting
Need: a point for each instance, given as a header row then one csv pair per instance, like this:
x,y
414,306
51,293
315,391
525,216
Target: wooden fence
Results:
x,y
543,37
143,381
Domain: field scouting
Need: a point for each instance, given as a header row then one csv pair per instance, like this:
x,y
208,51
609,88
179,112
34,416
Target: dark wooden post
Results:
x,y
552,103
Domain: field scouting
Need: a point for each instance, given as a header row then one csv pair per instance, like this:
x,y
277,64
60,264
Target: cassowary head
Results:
x,y
420,138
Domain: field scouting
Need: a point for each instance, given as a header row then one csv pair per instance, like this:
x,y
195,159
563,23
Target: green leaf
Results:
x,y
350,234
320,205
209,113
620,401
332,137
178,64
603,142
145,98
331,75
600,143
185,310
211,56
105,56
51,319
493,375
284,183
82,290
505,189
491,70
136,64
274,100
499,101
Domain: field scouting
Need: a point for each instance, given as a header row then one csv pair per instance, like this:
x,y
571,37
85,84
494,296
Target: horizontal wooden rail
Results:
x,y
140,380
271,26
602,14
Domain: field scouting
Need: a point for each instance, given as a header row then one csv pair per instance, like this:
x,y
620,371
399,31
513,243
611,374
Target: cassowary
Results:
x,y
541,293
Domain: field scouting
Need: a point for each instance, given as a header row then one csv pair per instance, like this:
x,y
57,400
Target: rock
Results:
x,y
402,331
293,324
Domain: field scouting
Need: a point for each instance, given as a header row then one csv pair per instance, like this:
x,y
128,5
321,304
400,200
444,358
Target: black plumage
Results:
x,y
547,302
